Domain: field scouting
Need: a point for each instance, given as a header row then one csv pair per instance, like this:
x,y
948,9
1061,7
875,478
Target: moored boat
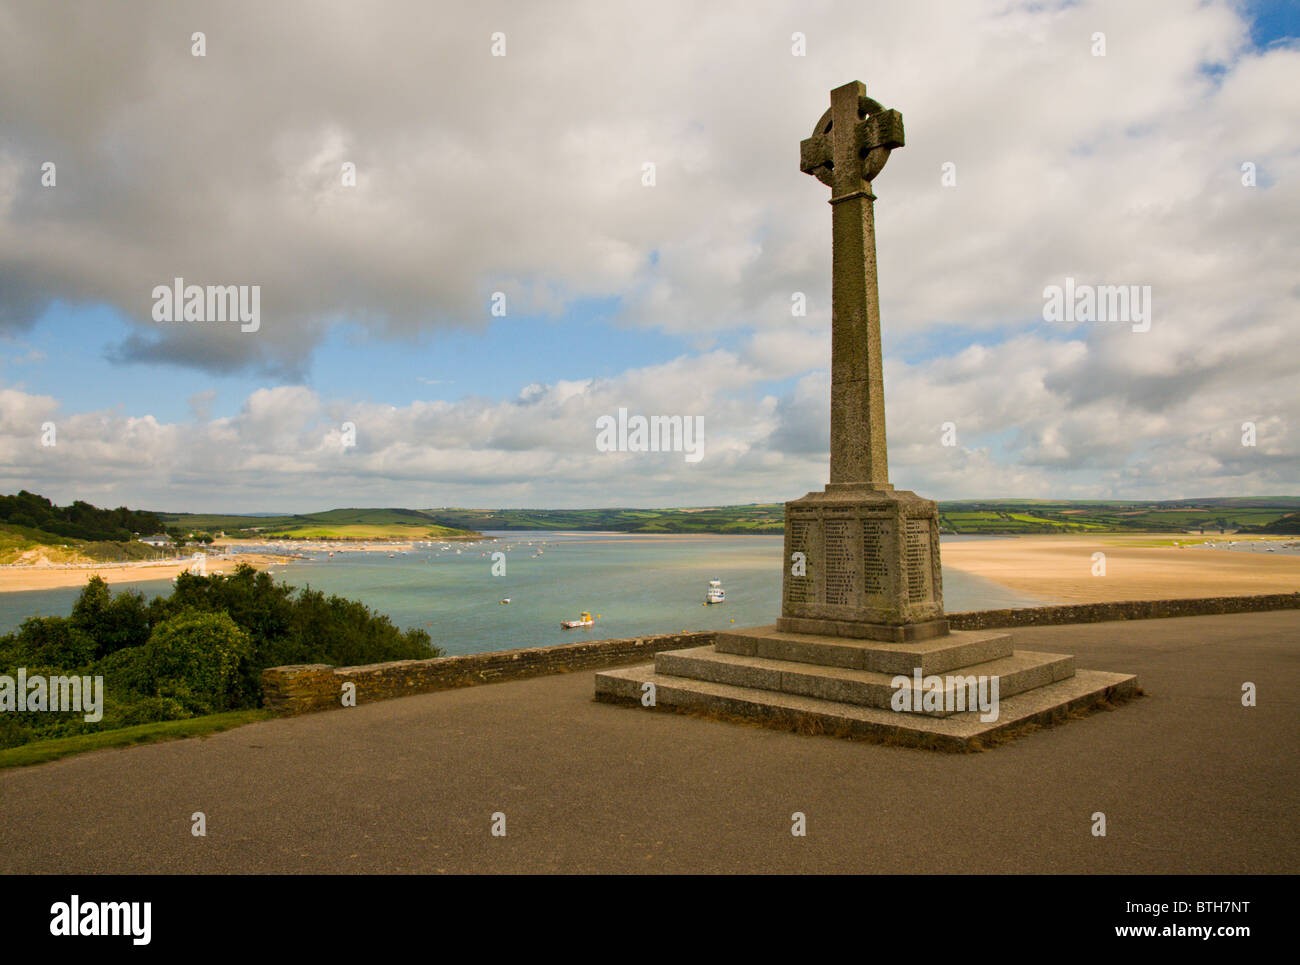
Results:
x,y
584,620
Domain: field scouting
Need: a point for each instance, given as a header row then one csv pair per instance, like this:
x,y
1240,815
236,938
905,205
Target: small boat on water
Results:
x,y
505,601
715,593
584,620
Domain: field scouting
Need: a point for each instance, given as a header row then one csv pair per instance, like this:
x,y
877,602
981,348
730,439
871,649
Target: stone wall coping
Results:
x,y
299,688
1066,613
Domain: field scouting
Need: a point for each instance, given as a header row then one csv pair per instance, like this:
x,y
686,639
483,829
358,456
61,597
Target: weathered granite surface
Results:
x,y
849,146
864,563
1048,704
862,560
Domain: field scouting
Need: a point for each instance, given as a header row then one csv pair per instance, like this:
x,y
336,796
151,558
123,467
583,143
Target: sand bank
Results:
x,y
14,579
1059,568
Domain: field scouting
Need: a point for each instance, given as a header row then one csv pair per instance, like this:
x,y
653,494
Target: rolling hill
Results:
x,y
23,534
982,517
34,530
374,524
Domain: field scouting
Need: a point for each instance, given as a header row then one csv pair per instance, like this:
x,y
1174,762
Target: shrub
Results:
x,y
199,651
196,659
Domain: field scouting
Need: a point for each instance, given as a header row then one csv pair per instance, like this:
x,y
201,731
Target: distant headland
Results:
x,y
988,517
35,531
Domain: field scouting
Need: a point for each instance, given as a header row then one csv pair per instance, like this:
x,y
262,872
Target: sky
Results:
x,y
500,155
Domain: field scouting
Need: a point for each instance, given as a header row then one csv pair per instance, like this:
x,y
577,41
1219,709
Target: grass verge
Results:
x,y
38,752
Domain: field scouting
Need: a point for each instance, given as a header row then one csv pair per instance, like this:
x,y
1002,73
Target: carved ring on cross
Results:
x,y
877,132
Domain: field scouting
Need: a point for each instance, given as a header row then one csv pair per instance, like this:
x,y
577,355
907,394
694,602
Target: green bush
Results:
x,y
199,660
199,651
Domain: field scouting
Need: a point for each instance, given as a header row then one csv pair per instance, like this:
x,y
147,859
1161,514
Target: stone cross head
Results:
x,y
851,141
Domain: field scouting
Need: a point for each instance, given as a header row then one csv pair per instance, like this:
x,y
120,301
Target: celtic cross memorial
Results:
x,y
862,559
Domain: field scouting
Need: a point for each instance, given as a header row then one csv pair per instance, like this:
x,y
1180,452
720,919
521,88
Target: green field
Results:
x,y
375,524
986,517
1066,516
973,517
762,518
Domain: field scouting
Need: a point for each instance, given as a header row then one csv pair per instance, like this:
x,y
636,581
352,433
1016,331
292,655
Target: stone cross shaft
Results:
x,y
848,148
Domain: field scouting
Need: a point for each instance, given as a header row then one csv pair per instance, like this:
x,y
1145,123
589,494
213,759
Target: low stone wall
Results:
x,y
307,687
1130,610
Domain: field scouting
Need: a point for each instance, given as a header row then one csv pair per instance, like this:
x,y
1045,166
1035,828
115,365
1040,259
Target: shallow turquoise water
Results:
x,y
636,584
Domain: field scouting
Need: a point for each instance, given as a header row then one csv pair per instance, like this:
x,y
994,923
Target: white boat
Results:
x,y
584,620
715,593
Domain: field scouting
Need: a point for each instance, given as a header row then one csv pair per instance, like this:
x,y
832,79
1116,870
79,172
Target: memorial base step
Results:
x,y
933,693
1042,706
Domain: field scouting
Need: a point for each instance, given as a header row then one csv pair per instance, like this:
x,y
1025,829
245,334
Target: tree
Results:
x,y
112,622
47,642
346,633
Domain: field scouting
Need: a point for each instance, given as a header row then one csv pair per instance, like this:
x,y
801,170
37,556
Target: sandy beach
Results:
x,y
1059,568
14,579
1050,568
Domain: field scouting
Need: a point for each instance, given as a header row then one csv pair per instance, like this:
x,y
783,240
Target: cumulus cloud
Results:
x,y
523,174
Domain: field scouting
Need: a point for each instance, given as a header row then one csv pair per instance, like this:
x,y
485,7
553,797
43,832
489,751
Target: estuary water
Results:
x,y
633,584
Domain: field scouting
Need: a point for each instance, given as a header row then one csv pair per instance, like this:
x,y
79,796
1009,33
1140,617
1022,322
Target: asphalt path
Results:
x,y
1188,779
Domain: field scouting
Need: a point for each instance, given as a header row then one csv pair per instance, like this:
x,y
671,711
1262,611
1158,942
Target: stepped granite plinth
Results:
x,y
850,687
